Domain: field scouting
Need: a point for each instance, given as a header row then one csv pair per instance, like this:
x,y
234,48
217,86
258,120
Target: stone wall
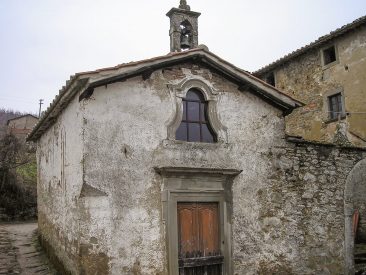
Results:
x,y
59,162
303,207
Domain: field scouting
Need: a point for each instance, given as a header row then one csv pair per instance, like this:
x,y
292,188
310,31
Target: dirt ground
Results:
x,y
20,252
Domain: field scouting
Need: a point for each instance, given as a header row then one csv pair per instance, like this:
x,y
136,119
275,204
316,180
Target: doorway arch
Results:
x,y
354,198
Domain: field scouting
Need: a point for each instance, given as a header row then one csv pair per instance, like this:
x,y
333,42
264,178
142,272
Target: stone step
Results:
x,y
360,271
360,267
360,257
360,260
361,247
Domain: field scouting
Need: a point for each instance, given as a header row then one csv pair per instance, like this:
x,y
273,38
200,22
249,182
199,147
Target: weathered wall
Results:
x,y
125,137
59,158
305,78
303,207
103,213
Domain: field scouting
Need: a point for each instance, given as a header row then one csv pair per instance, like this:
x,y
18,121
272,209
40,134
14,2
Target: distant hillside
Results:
x,y
5,115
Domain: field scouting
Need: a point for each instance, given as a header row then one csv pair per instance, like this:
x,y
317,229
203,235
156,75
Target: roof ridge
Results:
x,y
133,63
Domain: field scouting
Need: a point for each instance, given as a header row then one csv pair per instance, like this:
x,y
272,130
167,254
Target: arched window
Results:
x,y
195,126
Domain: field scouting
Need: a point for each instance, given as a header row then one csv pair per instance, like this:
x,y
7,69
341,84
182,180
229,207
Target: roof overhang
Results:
x,y
59,103
244,80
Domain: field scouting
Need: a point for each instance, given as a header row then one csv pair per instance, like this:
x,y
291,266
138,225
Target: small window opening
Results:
x,y
195,126
270,79
335,106
329,55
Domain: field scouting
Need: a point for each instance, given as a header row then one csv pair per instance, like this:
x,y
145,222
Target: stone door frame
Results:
x,y
184,184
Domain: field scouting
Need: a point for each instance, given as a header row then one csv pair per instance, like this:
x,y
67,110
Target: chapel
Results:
x,y
180,164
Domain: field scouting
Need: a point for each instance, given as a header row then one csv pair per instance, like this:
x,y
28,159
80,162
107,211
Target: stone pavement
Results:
x,y
20,252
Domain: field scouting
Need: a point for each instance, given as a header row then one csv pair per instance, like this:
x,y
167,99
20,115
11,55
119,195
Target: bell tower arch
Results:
x,y
183,28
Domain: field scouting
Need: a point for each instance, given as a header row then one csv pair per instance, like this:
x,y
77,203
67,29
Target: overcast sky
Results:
x,y
43,42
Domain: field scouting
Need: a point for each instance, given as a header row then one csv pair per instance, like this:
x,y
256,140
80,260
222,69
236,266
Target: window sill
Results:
x,y
335,119
329,65
168,143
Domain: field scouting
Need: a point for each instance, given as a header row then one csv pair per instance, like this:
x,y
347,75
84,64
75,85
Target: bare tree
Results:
x,y
14,195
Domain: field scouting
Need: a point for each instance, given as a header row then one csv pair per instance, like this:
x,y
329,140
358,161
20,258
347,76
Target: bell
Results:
x,y
184,42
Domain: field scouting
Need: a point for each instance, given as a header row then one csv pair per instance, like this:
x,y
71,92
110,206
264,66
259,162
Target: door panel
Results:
x,y
209,230
187,227
198,237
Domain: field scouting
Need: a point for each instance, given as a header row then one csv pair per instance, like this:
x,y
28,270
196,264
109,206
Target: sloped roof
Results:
x,y
317,43
88,81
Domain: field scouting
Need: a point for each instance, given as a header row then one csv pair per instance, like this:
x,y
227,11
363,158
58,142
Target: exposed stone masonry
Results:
x,y
305,78
303,208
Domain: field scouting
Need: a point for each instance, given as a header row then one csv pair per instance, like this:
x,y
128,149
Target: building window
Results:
x,y
196,116
195,126
270,79
329,55
335,106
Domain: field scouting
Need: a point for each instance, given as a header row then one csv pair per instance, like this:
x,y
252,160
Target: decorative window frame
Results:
x,y
186,184
210,94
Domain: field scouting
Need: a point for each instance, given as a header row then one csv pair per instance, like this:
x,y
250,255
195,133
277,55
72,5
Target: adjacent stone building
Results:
x,y
180,164
21,126
328,75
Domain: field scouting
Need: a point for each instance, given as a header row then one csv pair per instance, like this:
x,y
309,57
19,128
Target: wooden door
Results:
x,y
199,238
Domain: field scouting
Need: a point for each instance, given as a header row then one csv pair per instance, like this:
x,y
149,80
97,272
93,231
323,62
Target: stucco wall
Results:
x,y
306,79
126,128
59,159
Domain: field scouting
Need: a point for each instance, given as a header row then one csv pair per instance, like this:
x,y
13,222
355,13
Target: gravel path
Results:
x,y
20,252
